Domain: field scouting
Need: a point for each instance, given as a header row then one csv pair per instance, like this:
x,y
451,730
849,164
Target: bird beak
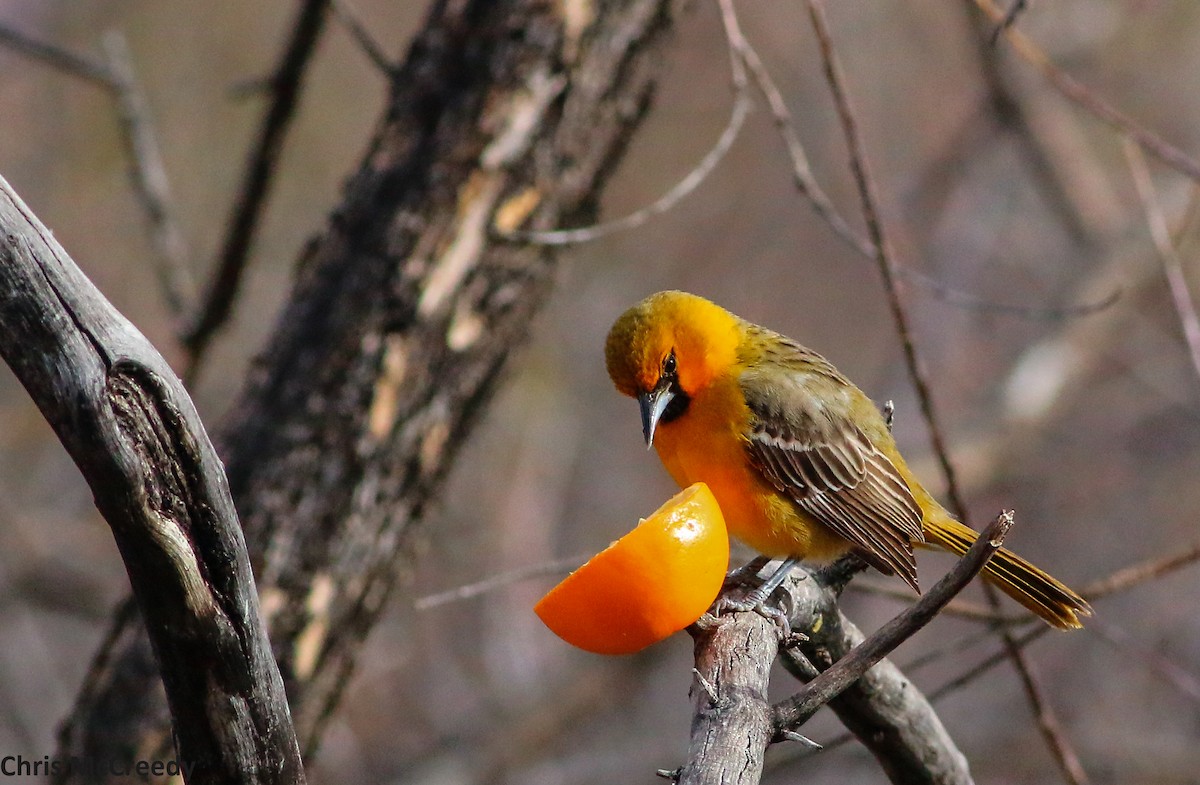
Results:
x,y
653,404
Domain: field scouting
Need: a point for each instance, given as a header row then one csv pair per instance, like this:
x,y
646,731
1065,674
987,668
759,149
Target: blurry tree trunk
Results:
x,y
506,113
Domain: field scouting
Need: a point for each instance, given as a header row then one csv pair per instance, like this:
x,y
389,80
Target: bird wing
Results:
x,y
812,451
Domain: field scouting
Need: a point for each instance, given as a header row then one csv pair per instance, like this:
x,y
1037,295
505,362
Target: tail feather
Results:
x,y
1037,590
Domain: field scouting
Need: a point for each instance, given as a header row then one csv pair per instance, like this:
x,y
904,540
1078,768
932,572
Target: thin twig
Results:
x,y
793,712
974,302
946,689
1075,190
1168,254
147,172
971,674
1142,572
348,18
951,647
486,585
149,177
1010,19
802,173
58,58
811,190
805,182
1083,97
931,658
885,257
690,182
259,171
1056,739
964,609
1180,679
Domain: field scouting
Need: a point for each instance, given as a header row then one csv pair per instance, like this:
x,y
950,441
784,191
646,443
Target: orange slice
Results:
x,y
653,582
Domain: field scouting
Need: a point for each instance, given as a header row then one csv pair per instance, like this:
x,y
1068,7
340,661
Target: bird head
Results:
x,y
667,349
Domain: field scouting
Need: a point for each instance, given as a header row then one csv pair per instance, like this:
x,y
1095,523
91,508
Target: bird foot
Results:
x,y
756,601
747,574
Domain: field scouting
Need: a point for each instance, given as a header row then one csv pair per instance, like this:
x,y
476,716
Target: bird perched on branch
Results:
x,y
800,460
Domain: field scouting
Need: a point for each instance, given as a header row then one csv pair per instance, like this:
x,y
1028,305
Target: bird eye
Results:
x,y
668,365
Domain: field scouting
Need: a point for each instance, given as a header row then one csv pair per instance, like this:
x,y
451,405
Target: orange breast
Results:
x,y
706,444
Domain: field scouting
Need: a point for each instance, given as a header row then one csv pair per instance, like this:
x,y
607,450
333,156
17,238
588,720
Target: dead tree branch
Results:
x,y
285,86
884,254
795,711
733,722
132,430
149,177
58,58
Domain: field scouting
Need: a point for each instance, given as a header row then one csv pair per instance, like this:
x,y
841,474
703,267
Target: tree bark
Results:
x,y
885,711
733,724
404,312
131,429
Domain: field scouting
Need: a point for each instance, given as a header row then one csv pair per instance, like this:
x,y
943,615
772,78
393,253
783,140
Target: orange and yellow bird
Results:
x,y
800,460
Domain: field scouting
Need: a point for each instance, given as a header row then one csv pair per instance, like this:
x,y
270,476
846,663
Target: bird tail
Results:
x,y
1038,591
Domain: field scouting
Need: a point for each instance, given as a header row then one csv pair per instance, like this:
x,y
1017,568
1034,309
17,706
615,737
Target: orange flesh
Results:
x,y
651,583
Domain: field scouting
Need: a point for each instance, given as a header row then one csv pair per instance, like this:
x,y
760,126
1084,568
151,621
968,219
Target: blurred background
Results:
x,y
1085,420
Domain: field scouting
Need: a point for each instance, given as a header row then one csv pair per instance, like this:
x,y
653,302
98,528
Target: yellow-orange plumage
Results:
x,y
800,460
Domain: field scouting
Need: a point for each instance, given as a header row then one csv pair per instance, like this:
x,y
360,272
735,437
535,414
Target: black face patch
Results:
x,y
678,404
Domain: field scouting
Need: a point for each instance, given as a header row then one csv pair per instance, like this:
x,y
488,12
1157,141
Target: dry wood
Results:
x,y
129,425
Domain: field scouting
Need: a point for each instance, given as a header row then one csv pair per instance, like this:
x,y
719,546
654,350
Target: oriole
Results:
x,y
800,460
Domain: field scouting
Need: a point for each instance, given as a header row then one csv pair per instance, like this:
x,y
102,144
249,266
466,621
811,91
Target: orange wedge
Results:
x,y
653,582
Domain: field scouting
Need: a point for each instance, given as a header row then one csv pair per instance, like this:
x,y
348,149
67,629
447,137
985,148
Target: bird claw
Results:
x,y
756,601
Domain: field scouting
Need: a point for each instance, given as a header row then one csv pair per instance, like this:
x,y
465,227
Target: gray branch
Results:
x,y
884,710
733,723
131,429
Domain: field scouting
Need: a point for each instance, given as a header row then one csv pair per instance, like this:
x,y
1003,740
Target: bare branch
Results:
x,y
1169,672
1056,739
963,609
348,18
884,710
1080,95
1168,254
809,188
795,711
556,567
888,681
885,257
970,675
1142,572
58,58
149,177
1075,185
731,719
888,267
1010,19
147,173
243,224
403,316
802,174
126,421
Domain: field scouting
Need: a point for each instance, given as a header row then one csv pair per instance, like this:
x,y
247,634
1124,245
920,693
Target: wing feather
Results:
x,y
832,470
